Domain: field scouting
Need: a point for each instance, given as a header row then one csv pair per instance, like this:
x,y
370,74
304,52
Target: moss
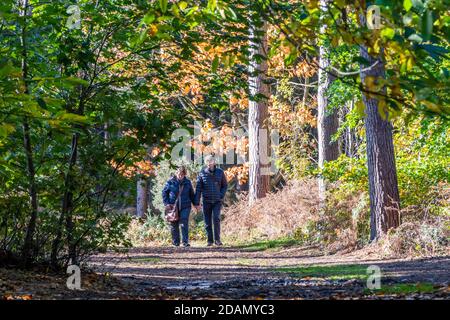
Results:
x,y
333,272
403,288
271,244
146,259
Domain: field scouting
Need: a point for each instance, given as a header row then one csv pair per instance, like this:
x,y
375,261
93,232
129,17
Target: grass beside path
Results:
x,y
271,244
403,289
332,272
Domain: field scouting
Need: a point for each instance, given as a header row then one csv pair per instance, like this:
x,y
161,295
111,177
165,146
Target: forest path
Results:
x,y
296,272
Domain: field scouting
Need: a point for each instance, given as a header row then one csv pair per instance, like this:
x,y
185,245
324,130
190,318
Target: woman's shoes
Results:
x,y
176,244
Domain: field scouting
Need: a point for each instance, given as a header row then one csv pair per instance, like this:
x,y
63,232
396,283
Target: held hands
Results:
x,y
198,208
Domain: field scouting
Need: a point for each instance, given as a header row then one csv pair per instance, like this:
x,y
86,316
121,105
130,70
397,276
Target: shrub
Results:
x,y
155,230
294,212
277,215
152,229
416,239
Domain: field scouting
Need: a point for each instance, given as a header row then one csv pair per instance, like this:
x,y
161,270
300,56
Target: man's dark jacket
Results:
x,y
212,184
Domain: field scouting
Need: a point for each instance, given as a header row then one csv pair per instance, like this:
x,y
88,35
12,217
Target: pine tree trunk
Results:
x,y
327,122
383,186
259,141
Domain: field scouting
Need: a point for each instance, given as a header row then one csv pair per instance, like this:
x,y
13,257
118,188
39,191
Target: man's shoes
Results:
x,y
176,244
218,243
186,245
209,244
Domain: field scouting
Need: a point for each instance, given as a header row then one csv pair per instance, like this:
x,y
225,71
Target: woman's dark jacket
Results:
x,y
170,192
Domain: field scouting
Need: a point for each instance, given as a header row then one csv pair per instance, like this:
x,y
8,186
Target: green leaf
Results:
x,y
360,108
427,24
231,13
407,4
388,33
6,129
149,18
163,5
9,70
215,64
75,81
340,4
71,117
182,5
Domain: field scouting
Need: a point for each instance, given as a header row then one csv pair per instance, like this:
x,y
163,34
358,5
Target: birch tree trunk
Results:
x,y
259,142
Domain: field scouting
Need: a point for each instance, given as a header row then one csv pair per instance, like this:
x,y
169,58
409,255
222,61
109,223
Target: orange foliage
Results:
x,y
277,66
285,119
144,167
238,101
221,141
238,172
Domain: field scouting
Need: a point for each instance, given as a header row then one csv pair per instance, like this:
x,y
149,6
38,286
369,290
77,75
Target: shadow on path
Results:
x,y
236,273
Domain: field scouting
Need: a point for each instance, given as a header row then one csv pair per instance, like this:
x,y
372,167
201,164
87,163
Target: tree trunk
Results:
x,y
27,254
327,122
259,141
383,186
66,207
67,201
142,197
67,204
349,132
31,227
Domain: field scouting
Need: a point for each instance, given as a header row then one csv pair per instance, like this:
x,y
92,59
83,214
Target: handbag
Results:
x,y
171,210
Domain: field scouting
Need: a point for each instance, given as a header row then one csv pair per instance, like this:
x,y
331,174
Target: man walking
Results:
x,y
212,183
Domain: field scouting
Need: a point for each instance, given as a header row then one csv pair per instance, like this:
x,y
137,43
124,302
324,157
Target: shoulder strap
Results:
x,y
180,189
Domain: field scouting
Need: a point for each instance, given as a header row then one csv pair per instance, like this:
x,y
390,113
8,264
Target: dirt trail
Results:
x,y
238,273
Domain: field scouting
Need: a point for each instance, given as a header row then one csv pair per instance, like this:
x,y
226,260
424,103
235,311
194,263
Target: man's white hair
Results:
x,y
209,158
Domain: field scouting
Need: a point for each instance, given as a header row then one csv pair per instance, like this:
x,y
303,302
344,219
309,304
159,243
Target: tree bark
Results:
x,y
349,140
27,254
327,122
67,201
259,141
142,197
383,185
67,204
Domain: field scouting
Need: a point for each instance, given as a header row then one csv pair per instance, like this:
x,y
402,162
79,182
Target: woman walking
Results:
x,y
179,187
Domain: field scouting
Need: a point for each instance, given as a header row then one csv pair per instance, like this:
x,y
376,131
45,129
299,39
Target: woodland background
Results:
x,y
87,116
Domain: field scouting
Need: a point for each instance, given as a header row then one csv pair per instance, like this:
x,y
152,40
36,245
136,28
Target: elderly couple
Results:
x,y
212,184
